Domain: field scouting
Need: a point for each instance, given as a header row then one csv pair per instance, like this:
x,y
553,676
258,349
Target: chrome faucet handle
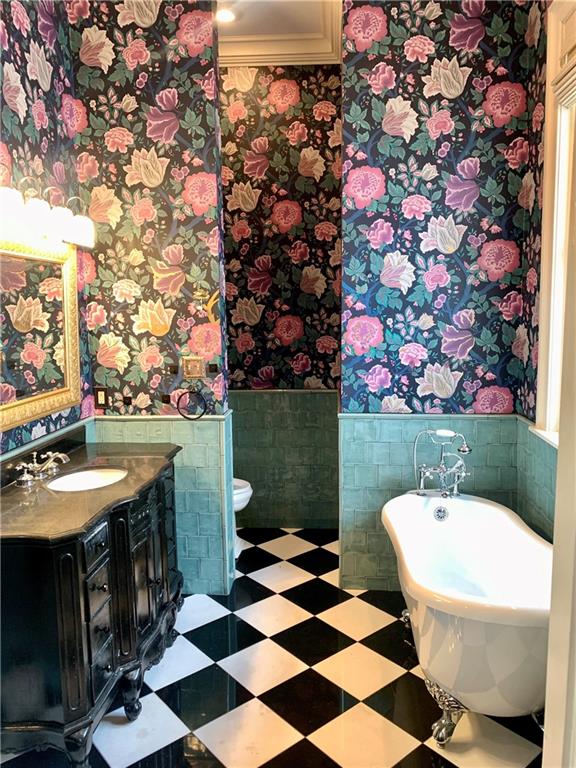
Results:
x,y
26,479
50,466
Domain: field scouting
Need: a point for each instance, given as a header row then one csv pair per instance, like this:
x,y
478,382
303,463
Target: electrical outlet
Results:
x,y
165,398
212,368
193,367
127,400
101,397
173,370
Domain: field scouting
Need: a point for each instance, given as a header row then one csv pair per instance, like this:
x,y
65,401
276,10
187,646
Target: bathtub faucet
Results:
x,y
449,477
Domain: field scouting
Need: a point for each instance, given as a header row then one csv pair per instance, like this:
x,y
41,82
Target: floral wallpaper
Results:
x,y
145,125
443,113
282,168
37,84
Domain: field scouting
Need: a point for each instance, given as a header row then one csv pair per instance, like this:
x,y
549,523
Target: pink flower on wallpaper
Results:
x,y
236,111
161,126
212,240
209,85
397,271
87,407
521,345
538,117
365,184
7,393
494,400
86,269
167,99
504,101
326,344
286,214
436,277
87,167
39,115
118,139
418,48
296,133
473,8
461,194
195,31
498,258
366,25
245,342
378,378
265,378
299,252
255,165
288,329
260,277
5,165
74,115
218,387
412,354
380,233
143,210
362,333
260,145
206,340
416,207
466,33
240,230
381,78
517,152
531,280
284,94
135,53
77,10
173,254
527,193
201,192
96,316
300,363
440,122
20,17
457,339
325,230
469,168
33,354
511,305
323,110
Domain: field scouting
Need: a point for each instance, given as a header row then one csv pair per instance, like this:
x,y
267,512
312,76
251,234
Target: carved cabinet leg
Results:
x,y
131,686
78,746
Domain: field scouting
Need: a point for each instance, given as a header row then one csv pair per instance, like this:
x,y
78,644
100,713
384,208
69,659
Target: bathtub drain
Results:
x,y
440,513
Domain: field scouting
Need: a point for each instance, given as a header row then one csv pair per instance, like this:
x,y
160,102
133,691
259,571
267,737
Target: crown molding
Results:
x,y
324,47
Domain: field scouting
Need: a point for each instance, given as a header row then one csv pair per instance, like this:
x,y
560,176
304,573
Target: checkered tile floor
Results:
x,y
290,671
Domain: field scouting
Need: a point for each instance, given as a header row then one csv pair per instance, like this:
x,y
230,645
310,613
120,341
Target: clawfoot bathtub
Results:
x,y
476,581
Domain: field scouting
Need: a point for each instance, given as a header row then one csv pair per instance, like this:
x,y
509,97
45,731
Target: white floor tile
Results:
x,y
262,666
273,615
198,610
242,544
333,577
179,661
359,670
5,757
356,618
418,672
248,736
122,743
479,742
281,576
287,546
292,530
333,547
361,738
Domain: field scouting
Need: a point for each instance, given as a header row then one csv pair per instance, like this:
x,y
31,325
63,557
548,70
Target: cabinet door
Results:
x,y
141,558
156,567
123,586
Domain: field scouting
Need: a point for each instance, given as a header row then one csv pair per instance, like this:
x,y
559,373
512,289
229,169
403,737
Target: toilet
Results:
x,y
242,495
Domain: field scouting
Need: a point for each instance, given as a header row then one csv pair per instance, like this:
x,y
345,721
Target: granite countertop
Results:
x,y
40,513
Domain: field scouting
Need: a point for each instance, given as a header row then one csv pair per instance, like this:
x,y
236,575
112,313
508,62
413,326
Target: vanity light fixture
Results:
x,y
11,213
225,16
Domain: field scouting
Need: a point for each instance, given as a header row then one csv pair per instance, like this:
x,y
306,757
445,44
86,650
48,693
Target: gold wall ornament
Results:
x,y
18,412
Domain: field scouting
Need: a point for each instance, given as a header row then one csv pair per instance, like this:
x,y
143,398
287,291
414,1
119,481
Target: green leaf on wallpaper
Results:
x,y
121,74
521,219
393,340
355,268
10,122
488,340
294,157
90,78
278,162
374,404
358,115
306,185
75,38
492,190
399,33
504,51
391,146
419,295
396,192
376,262
515,368
378,109
520,21
527,58
135,375
498,30
354,406
215,271
422,143
508,334
386,297
192,122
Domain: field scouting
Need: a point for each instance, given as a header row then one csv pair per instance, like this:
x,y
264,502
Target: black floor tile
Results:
x,y
317,561
50,758
316,595
396,643
423,757
318,536
255,558
188,752
302,755
308,701
407,703
204,696
260,535
312,641
391,602
224,637
536,763
245,592
523,726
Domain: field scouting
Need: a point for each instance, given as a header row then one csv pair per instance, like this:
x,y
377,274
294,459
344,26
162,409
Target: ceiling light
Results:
x,y
225,16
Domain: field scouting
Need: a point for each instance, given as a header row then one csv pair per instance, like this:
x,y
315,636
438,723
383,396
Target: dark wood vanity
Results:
x,y
90,593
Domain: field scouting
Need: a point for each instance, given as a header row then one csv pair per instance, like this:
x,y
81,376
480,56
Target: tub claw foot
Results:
x,y
452,710
405,617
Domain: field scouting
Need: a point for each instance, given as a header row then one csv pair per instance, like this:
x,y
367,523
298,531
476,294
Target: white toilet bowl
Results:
x,y
242,495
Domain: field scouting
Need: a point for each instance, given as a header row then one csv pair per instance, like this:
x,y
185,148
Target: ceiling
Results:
x,y
281,32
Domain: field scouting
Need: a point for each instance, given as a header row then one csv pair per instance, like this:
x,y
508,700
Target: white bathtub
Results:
x,y
477,585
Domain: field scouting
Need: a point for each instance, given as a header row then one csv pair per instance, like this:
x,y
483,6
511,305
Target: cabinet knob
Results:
x,y
100,587
100,545
154,582
102,628
106,668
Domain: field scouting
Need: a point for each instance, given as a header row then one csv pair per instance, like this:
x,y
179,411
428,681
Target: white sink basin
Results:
x,y
87,479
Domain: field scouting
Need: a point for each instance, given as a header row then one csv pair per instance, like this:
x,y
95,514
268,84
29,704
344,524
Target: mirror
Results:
x,y
39,355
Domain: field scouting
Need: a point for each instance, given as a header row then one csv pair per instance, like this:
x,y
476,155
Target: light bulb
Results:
x,y
11,214
81,232
225,16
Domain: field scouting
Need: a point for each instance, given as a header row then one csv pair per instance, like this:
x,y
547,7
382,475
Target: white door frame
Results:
x,y
560,719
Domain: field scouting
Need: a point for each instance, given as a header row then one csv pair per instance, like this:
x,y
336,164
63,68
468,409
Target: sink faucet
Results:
x,y
35,471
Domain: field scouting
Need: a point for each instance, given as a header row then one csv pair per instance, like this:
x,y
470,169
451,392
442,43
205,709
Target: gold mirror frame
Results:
x,y
19,412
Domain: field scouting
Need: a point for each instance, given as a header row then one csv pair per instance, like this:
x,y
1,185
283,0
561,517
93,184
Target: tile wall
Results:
x,y
536,487
286,446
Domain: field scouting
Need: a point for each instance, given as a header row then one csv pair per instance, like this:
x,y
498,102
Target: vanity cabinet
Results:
x,y
83,617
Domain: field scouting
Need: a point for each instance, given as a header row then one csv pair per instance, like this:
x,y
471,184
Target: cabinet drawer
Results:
x,y
96,545
100,629
102,669
98,588
142,510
